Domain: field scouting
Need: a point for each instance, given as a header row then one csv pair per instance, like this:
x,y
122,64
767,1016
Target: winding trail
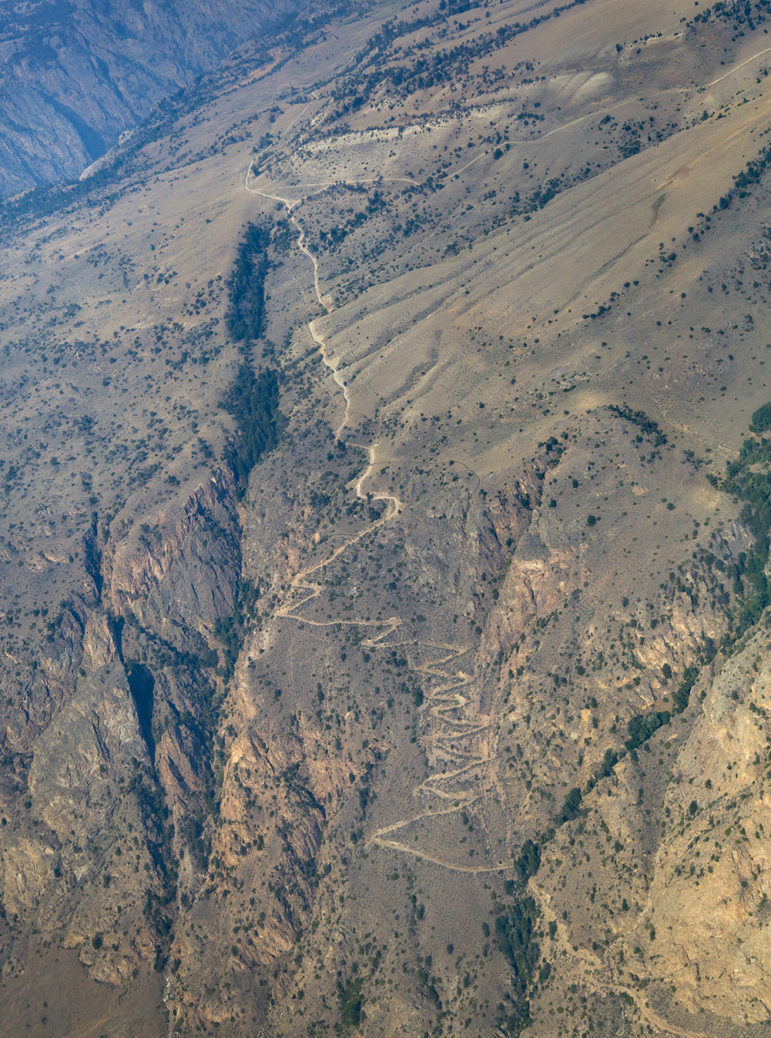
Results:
x,y
455,739
394,504
324,301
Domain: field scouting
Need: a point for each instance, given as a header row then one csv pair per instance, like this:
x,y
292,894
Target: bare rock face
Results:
x,y
90,751
710,890
181,572
77,76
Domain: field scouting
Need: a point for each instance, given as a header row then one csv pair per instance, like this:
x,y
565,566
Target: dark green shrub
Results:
x,y
761,419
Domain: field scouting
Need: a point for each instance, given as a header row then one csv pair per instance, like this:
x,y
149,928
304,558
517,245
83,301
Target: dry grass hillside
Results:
x,y
385,642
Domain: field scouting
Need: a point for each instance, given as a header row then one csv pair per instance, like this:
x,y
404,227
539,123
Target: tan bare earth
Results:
x,y
381,729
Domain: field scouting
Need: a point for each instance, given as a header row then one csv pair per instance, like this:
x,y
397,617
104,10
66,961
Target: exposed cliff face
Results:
x,y
83,769
78,75
180,573
709,890
122,753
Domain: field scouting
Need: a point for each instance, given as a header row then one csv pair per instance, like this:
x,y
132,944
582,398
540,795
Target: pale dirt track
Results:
x,y
456,737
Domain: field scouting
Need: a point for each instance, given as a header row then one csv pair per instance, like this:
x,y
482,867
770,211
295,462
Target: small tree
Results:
x,y
761,419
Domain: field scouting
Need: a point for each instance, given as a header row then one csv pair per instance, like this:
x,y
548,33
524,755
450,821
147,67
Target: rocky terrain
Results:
x,y
384,539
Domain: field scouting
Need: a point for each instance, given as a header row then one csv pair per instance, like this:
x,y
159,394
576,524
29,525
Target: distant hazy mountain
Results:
x,y
74,74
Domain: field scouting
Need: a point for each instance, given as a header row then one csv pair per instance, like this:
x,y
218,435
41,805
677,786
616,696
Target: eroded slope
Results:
x,y
408,730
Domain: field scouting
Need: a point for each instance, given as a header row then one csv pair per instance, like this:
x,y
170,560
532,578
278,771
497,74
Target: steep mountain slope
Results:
x,y
386,636
76,76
